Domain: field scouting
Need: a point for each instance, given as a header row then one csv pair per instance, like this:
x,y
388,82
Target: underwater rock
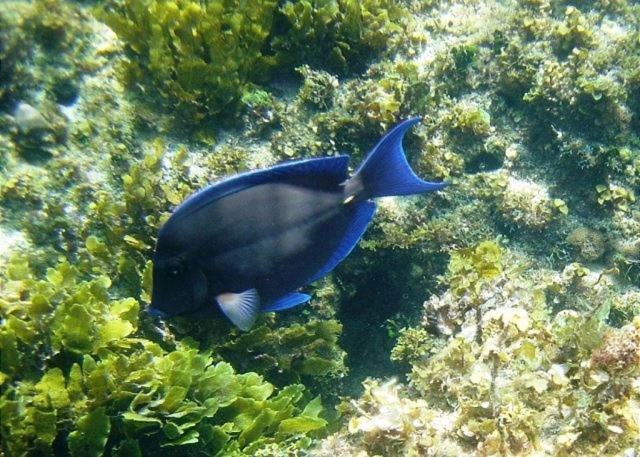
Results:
x,y
28,119
589,245
39,132
526,204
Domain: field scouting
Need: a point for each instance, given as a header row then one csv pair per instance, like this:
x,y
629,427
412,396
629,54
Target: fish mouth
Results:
x,y
155,312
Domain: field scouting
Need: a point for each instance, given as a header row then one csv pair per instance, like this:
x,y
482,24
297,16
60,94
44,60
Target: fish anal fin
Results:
x,y
363,213
288,301
241,308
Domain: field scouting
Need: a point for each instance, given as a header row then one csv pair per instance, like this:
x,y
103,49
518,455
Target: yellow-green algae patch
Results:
x,y
206,56
74,362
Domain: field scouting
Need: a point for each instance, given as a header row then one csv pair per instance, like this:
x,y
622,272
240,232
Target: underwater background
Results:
x,y
498,317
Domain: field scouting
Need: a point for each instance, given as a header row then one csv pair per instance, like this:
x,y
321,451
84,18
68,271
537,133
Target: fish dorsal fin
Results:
x,y
286,302
334,167
363,214
241,308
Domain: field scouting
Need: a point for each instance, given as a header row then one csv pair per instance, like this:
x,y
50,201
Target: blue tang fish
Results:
x,y
248,243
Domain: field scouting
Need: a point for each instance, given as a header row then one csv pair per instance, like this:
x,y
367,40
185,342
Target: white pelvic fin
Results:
x,y
242,308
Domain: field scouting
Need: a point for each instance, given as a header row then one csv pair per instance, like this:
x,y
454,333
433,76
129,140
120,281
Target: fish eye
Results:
x,y
175,268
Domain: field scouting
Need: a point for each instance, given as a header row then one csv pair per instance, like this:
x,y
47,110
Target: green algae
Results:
x,y
206,56
105,384
203,55
339,35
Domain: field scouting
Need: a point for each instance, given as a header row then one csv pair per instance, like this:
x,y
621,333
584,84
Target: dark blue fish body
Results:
x,y
246,244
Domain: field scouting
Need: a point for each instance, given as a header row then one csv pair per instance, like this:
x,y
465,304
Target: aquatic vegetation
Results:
x,y
526,205
319,87
512,377
339,34
261,111
379,100
206,55
469,273
301,351
530,109
413,344
471,120
588,244
615,195
470,269
620,350
103,383
83,371
388,423
201,55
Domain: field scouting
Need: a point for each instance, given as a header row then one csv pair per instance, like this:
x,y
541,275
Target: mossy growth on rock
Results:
x,y
515,377
207,54
201,54
339,35
44,47
588,244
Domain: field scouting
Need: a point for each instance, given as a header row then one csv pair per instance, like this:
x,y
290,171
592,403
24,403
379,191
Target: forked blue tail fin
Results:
x,y
385,171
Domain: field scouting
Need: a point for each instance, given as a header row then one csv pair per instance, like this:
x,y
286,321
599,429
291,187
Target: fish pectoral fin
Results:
x,y
286,302
241,308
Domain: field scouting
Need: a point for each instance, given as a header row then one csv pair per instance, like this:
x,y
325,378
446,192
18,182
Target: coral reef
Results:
x,y
512,377
527,267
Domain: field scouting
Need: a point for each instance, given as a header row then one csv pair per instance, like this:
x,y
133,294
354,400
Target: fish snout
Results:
x,y
155,312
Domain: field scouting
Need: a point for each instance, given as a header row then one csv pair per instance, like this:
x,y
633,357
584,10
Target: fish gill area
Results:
x,y
498,317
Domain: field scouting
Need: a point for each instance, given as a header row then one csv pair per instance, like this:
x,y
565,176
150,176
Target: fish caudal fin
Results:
x,y
286,302
385,171
242,308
